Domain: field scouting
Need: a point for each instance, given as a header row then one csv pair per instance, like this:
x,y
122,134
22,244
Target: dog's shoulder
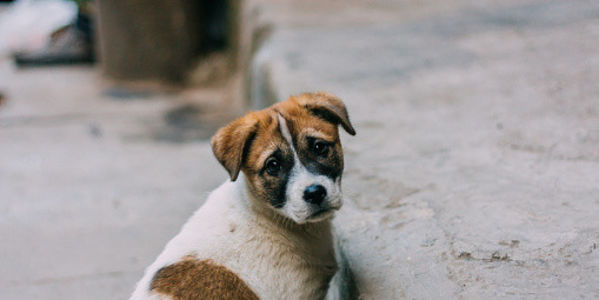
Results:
x,y
223,252
196,254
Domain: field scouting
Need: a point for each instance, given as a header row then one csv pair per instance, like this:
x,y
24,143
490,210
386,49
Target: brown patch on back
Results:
x,y
199,279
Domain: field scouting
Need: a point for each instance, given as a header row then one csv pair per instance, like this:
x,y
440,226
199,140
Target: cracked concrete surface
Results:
x,y
475,168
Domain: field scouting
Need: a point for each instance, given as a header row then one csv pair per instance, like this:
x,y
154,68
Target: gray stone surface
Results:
x,y
475,170
93,182
473,175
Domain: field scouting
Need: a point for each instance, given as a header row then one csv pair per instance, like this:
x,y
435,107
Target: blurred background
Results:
x,y
473,174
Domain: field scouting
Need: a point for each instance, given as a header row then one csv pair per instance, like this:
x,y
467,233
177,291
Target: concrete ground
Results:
x,y
473,175
95,179
475,170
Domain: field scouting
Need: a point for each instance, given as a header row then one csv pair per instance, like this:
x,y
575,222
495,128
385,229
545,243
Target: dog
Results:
x,y
266,232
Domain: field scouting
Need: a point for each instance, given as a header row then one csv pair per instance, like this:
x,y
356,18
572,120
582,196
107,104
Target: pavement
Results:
x,y
473,173
95,178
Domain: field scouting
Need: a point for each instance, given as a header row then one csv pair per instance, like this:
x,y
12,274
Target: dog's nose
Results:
x,y
314,194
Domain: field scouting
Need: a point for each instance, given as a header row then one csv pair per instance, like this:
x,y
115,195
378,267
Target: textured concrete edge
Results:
x,y
265,90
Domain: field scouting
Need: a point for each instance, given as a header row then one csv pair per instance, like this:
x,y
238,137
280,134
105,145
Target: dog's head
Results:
x,y
290,154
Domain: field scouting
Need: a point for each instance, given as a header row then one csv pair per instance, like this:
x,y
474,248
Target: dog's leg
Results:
x,y
342,285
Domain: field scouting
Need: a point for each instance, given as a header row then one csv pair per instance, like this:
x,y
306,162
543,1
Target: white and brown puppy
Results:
x,y
266,233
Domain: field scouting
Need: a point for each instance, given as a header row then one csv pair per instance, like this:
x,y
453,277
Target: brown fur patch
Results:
x,y
317,116
323,105
246,143
199,279
319,111
230,143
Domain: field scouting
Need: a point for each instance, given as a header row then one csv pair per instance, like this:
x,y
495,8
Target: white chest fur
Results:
x,y
276,258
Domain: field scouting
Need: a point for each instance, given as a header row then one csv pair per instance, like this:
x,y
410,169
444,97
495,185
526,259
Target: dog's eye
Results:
x,y
273,166
320,148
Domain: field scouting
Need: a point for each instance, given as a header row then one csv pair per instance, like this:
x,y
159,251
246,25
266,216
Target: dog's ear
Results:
x,y
329,108
231,143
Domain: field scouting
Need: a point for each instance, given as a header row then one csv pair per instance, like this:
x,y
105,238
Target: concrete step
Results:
x,y
474,171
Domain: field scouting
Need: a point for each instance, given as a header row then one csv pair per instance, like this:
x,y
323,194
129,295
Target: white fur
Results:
x,y
296,208
277,258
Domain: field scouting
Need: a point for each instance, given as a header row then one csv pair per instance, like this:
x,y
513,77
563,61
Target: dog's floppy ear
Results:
x,y
328,107
231,143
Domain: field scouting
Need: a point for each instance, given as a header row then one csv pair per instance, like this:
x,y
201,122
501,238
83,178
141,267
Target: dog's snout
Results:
x,y
314,194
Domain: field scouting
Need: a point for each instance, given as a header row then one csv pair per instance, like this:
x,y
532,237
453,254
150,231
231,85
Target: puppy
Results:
x,y
266,233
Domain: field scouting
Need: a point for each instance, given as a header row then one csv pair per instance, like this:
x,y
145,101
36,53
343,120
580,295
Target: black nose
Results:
x,y
314,194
